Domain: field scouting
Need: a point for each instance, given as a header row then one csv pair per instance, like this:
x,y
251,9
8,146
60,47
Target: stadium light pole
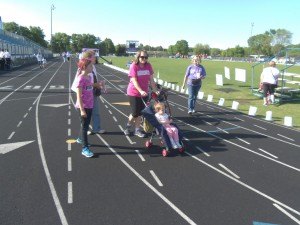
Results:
x,y
52,8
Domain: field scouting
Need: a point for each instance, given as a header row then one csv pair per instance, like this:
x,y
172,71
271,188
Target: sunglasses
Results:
x,y
144,57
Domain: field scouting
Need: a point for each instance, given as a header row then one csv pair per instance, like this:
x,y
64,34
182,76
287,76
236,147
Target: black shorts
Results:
x,y
137,105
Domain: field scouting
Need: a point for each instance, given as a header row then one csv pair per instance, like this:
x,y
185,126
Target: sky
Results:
x,y
219,23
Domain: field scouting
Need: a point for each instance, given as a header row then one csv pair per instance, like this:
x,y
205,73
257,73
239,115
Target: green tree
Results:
x,y
260,44
281,37
215,52
172,50
61,42
38,36
201,49
182,47
120,50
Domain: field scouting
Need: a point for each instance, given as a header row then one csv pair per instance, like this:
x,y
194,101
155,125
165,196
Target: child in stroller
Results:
x,y
149,115
164,119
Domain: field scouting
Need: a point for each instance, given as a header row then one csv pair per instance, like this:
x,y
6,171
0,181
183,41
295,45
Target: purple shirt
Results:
x,y
143,78
195,72
85,82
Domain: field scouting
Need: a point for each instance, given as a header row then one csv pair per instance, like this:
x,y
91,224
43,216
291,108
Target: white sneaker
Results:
x,y
174,146
101,132
193,111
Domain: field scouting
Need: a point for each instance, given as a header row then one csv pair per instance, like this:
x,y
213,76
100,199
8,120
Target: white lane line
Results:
x,y
207,122
150,186
110,112
201,150
140,155
25,115
285,137
69,114
115,119
69,121
69,147
11,135
128,138
156,178
222,130
70,192
260,127
69,164
229,171
274,156
239,119
243,184
181,109
29,108
286,213
69,132
106,106
242,140
58,206
19,124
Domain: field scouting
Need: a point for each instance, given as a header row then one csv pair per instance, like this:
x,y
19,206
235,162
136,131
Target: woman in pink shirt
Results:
x,y
140,75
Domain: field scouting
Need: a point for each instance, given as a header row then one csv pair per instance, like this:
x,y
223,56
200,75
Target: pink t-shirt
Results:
x,y
143,78
85,82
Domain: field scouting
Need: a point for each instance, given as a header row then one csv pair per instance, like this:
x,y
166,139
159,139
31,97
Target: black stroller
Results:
x,y
157,128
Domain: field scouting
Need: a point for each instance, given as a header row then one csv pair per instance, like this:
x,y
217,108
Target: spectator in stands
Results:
x,y
39,58
269,80
7,58
140,75
2,60
96,119
194,75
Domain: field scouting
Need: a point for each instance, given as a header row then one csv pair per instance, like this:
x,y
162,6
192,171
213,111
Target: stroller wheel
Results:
x,y
148,144
165,153
181,150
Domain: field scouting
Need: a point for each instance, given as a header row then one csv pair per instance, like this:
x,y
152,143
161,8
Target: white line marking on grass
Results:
x,y
140,155
285,137
115,119
260,127
229,171
11,135
69,164
274,156
70,192
19,124
201,150
156,178
286,213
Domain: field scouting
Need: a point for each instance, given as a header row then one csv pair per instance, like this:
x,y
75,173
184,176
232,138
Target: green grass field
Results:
x,y
173,70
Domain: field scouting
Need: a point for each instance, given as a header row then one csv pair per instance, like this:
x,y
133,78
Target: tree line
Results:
x,y
271,43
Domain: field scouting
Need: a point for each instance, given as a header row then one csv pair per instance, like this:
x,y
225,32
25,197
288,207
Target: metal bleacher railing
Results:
x,y
22,49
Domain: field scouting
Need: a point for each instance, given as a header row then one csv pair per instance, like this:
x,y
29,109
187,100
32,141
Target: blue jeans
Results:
x,y
193,93
96,115
85,122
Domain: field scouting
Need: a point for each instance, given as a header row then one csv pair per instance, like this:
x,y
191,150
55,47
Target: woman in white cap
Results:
x,y
193,77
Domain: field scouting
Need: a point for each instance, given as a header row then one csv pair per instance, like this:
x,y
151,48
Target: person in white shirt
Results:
x,y
39,58
269,79
7,58
2,60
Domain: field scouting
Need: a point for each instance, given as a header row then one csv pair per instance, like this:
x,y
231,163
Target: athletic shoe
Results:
x,y
179,145
174,146
265,104
101,132
193,111
98,132
139,133
87,152
127,130
79,141
190,112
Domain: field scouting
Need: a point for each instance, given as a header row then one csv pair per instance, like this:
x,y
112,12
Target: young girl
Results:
x,y
85,101
164,119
